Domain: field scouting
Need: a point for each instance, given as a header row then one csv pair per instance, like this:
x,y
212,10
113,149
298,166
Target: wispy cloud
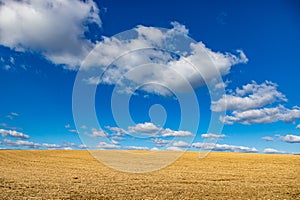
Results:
x,y
12,115
268,138
21,143
212,136
104,145
160,142
272,151
136,147
70,129
224,147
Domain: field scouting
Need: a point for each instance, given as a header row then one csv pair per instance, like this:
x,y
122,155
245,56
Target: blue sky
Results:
x,y
253,44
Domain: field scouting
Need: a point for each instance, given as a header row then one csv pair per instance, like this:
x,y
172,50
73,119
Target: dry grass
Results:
x,y
77,175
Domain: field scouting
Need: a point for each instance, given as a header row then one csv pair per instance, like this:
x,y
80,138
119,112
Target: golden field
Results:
x,y
77,175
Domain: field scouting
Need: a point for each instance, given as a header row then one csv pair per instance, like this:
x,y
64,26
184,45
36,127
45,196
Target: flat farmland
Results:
x,y
68,174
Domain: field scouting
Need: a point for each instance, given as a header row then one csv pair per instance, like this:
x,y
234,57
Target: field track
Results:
x,y
77,175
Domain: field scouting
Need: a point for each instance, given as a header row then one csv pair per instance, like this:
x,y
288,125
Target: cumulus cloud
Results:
x,y
147,128
224,147
97,133
13,133
51,146
271,151
268,138
105,145
253,104
212,136
207,63
172,148
29,144
118,131
250,96
21,143
290,138
150,130
35,145
54,28
160,142
263,115
169,132
181,144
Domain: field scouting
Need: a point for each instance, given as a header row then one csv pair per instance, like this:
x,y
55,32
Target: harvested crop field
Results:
x,y
77,175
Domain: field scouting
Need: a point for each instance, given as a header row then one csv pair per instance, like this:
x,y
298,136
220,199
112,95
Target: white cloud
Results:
x,y
263,115
212,135
97,133
176,71
290,138
251,96
118,131
67,126
114,142
84,127
252,104
21,143
67,145
13,133
6,67
224,147
54,28
73,131
150,130
147,127
181,144
268,138
221,85
35,145
104,145
174,149
168,132
136,148
83,146
154,149
160,142
271,151
12,115
117,138
51,146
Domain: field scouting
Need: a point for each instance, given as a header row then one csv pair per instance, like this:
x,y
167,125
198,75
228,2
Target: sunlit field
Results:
x,y
77,175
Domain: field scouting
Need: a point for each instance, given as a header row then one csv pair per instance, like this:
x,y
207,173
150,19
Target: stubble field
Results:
x,y
77,175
